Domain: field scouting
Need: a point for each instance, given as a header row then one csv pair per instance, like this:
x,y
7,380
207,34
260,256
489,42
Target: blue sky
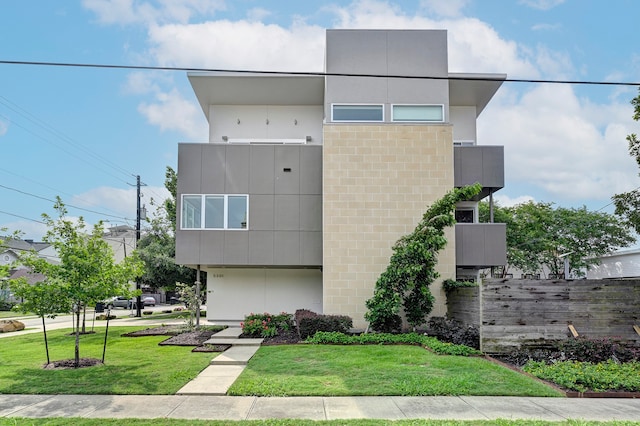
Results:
x,y
84,133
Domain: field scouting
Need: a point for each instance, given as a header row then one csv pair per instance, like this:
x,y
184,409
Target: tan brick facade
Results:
x,y
378,181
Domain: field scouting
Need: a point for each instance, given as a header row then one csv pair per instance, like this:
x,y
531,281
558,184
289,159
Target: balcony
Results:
x,y
481,245
479,163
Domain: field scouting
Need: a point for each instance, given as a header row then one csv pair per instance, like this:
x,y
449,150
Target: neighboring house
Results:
x,y
621,264
307,182
11,249
122,240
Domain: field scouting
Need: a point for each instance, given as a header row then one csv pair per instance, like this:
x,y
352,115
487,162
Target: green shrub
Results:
x,y
335,338
587,376
452,331
449,284
266,325
598,350
311,325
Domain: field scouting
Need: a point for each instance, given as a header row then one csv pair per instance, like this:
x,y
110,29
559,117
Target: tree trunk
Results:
x,y
77,349
46,344
84,317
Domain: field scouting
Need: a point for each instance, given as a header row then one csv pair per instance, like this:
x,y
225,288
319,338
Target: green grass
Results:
x,y
13,314
304,370
288,422
133,365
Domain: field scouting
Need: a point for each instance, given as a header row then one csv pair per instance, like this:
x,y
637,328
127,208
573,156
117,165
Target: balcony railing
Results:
x,y
481,245
479,163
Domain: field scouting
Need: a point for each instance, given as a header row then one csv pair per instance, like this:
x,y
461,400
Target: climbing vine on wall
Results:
x,y
412,267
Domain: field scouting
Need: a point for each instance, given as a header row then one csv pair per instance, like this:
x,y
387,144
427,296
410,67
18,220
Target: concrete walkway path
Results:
x,y
226,367
318,408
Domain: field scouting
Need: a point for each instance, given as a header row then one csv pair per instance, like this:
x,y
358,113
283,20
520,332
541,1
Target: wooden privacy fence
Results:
x,y
521,312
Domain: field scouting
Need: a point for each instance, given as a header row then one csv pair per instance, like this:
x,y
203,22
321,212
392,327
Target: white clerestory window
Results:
x,y
214,211
418,113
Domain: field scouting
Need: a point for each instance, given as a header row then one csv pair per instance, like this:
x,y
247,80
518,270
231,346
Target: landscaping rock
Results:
x,y
7,326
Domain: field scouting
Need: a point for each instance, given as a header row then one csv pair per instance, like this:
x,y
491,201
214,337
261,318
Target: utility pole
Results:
x,y
138,214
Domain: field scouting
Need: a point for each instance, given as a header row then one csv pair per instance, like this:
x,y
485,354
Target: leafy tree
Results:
x,y
537,234
157,249
628,203
405,282
47,299
87,267
192,302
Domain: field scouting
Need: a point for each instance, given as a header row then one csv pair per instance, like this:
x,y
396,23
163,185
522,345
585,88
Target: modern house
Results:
x,y
621,264
307,181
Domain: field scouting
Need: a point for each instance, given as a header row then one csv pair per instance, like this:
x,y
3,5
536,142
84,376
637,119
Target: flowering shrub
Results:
x,y
266,325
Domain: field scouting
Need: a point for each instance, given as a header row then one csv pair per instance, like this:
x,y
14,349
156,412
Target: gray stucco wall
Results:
x,y
387,52
284,184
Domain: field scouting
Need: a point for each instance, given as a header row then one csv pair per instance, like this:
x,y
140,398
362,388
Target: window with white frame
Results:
x,y
357,112
214,211
418,113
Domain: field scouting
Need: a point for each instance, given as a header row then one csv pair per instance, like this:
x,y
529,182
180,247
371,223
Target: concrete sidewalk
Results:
x,y
318,408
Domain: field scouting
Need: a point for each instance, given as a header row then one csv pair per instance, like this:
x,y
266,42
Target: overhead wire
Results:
x,y
321,74
30,117
68,205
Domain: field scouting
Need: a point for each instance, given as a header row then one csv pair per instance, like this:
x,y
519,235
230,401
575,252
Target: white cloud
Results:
x,y
142,83
570,148
546,27
111,200
449,8
29,230
120,202
151,11
171,111
506,201
239,45
4,127
257,14
542,4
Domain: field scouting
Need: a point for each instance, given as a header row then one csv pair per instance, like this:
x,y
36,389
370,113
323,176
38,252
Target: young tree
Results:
x,y
86,267
628,203
47,298
405,283
192,302
538,235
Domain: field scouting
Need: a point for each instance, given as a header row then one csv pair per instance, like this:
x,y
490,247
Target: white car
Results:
x,y
148,301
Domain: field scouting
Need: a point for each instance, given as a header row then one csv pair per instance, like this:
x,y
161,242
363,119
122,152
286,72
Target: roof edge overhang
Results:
x,y
473,89
226,88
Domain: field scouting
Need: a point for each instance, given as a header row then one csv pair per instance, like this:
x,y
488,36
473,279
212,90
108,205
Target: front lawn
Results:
x,y
133,365
360,370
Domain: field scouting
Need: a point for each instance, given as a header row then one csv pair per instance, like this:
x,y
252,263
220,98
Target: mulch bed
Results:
x,y
66,364
283,338
179,337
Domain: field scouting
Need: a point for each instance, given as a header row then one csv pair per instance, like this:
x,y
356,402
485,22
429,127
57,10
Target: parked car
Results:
x,y
148,301
120,302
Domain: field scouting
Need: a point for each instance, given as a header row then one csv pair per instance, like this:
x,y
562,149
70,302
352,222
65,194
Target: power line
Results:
x,y
58,146
51,188
68,205
22,217
321,74
47,127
